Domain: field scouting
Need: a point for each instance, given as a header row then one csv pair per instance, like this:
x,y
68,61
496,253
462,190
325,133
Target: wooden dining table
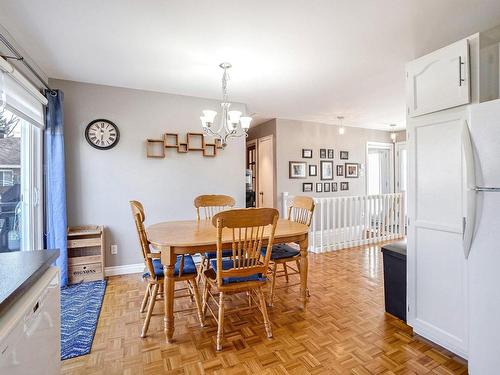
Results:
x,y
173,238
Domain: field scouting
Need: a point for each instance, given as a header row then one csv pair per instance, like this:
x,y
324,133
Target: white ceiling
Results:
x,y
297,59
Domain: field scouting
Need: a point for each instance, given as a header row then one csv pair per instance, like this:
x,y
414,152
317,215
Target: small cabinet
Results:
x,y
439,80
85,253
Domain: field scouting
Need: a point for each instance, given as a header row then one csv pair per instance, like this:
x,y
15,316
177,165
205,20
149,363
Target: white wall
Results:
x,y
293,136
101,183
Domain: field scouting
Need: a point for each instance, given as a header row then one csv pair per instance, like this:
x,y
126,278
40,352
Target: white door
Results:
x,y
437,273
265,167
379,179
439,80
401,167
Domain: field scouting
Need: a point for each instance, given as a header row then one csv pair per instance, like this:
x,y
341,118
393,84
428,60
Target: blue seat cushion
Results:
x,y
227,264
225,254
281,251
189,266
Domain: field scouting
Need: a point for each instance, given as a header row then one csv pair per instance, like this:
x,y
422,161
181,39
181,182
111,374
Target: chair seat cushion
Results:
x,y
189,267
227,264
225,254
281,251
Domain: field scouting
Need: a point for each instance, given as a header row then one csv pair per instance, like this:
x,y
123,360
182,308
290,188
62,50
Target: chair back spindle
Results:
x,y
246,228
301,210
210,205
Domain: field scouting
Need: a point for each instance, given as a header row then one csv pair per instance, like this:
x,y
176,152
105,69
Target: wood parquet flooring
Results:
x,y
344,330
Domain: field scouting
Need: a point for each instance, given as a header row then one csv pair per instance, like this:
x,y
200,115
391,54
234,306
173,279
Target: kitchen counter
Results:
x,y
19,271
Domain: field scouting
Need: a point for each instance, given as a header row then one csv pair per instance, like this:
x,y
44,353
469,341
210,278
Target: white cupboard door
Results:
x,y
439,80
437,273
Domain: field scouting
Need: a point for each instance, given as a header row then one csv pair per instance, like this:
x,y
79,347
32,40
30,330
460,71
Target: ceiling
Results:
x,y
296,59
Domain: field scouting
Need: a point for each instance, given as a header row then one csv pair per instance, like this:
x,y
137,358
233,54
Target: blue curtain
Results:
x,y
55,185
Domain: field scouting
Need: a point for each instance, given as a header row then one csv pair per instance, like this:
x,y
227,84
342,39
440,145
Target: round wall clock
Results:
x,y
102,134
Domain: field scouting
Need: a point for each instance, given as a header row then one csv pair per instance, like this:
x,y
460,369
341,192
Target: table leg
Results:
x,y
168,259
303,269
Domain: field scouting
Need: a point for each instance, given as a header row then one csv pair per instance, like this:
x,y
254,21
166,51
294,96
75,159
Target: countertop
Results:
x,y
19,270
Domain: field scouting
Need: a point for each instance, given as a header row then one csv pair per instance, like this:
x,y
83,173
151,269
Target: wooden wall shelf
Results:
x,y
155,148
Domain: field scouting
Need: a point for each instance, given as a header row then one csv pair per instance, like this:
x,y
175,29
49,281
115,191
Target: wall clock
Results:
x,y
102,134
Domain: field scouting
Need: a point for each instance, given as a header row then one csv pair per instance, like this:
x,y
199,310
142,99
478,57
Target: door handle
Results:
x,y
460,63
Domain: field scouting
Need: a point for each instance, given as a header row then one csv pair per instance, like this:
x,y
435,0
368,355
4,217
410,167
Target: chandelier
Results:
x,y
231,123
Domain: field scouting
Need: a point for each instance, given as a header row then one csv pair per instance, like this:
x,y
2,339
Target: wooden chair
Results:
x,y
301,210
245,270
185,270
210,205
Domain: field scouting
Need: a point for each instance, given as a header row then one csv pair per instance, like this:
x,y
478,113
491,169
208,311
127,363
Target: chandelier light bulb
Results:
x,y
234,116
341,130
393,133
245,122
209,115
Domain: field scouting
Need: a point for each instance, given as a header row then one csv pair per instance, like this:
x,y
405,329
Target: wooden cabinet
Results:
x,y
439,80
85,253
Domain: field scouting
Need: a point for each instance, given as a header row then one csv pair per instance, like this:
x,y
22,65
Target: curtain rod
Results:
x,y
17,56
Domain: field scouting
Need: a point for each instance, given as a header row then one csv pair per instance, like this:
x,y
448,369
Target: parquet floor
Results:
x,y
344,330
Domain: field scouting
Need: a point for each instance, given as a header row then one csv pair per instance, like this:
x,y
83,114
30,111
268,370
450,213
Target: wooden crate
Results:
x,y
85,253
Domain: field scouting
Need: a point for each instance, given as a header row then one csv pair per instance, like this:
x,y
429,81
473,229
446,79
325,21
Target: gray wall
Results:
x,y
101,183
293,136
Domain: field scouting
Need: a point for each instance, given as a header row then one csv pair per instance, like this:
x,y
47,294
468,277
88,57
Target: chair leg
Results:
x,y
190,291
273,283
201,270
263,307
145,299
150,311
286,272
297,262
206,289
220,326
198,302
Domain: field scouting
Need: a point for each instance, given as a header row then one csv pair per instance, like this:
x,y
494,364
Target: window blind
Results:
x,y
21,97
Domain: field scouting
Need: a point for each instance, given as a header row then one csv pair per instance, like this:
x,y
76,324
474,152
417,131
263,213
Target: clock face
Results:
x,y
102,134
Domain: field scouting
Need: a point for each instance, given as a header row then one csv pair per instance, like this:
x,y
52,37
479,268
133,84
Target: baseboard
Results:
x,y
124,270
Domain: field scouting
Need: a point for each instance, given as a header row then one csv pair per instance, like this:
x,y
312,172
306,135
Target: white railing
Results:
x,y
342,222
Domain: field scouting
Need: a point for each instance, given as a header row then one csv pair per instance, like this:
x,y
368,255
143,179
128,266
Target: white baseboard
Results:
x,y
124,270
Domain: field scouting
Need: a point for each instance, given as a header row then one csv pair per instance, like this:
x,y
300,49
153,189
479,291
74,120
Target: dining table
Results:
x,y
173,238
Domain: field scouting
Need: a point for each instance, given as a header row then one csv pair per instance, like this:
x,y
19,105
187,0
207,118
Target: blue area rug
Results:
x,y
80,308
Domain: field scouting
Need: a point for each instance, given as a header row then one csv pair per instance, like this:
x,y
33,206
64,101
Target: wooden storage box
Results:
x,y
85,253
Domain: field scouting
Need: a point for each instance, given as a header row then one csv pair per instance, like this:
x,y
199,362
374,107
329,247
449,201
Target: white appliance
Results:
x,y
30,330
483,228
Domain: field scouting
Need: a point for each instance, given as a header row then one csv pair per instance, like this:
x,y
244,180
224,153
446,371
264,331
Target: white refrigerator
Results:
x,y
482,236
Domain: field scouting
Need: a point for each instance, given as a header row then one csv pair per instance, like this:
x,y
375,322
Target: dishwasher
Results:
x,y
30,341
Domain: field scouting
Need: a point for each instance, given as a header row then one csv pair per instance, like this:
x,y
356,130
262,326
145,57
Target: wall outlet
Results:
x,y
114,249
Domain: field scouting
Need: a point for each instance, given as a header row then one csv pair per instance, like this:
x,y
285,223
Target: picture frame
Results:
x,y
334,187
313,170
319,187
344,155
307,153
297,169
307,187
344,186
330,153
351,170
326,170
340,170
322,153
326,187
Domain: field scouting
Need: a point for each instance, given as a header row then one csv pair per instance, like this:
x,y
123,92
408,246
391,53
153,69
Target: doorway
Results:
x,y
379,168
260,172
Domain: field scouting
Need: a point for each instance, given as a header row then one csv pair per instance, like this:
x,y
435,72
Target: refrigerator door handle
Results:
x,y
485,189
469,221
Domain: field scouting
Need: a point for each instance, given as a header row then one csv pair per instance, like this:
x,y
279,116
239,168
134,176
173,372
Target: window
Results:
x,y
20,181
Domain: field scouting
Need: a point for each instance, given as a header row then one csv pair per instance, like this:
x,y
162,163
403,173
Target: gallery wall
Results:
x,y
292,136
101,183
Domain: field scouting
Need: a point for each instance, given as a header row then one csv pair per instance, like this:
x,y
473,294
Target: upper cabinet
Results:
x,y
439,80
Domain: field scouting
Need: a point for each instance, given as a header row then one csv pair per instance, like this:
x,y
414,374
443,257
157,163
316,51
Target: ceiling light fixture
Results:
x,y
393,133
231,123
341,129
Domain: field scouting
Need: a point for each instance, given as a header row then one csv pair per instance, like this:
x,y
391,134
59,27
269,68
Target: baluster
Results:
x,y
322,226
